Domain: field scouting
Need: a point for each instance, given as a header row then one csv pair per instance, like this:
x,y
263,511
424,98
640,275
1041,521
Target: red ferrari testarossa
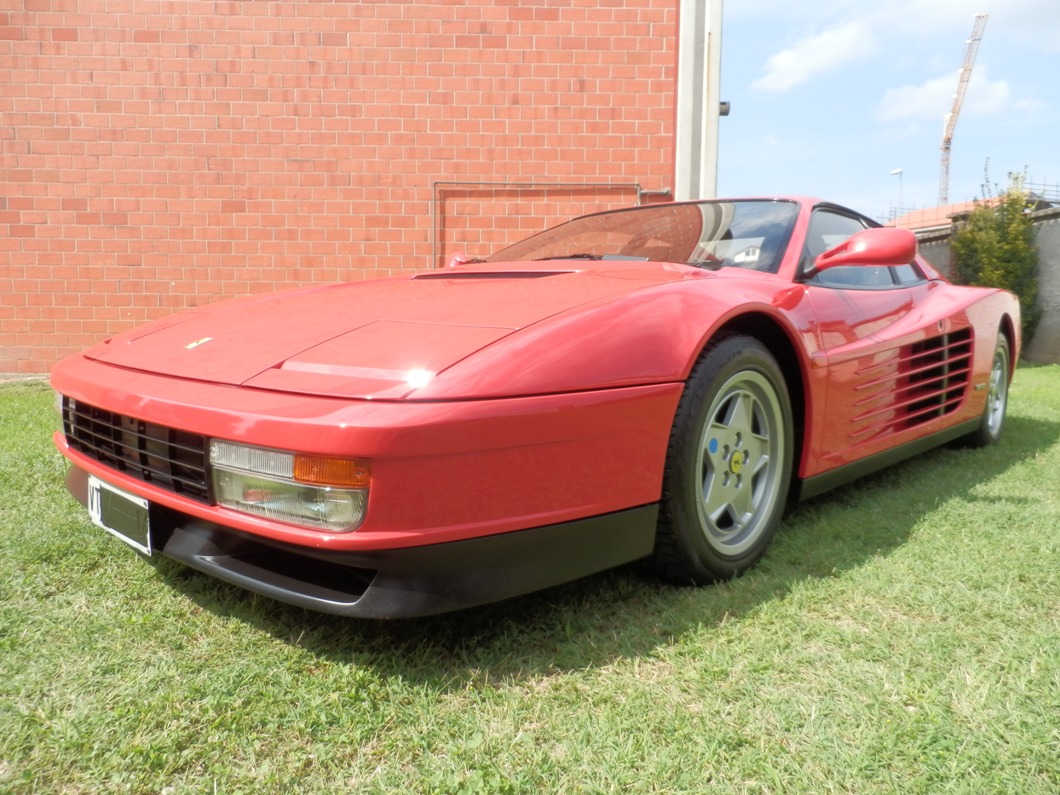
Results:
x,y
646,383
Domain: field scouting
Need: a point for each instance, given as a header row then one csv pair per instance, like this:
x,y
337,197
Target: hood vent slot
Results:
x,y
460,275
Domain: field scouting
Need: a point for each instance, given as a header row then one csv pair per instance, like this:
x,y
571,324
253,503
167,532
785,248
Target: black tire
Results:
x,y
993,420
728,465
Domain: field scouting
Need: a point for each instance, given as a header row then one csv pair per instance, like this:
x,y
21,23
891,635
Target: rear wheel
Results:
x,y
989,430
728,464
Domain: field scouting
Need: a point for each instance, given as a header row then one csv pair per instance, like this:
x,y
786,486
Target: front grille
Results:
x,y
164,457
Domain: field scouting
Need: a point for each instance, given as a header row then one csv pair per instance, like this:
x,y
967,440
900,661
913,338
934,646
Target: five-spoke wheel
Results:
x,y
728,466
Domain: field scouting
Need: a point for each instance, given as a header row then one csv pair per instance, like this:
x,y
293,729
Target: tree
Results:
x,y
994,247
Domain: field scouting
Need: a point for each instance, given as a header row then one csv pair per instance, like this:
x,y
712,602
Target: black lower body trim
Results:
x,y
402,582
839,476
412,581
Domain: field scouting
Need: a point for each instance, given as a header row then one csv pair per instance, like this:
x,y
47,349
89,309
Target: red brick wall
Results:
x,y
157,155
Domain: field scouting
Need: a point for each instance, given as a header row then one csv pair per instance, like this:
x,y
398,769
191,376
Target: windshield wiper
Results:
x,y
570,256
709,264
605,257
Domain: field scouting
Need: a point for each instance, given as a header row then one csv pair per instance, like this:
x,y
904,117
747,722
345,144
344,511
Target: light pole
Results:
x,y
898,210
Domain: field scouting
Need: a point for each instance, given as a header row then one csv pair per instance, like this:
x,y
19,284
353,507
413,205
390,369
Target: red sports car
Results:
x,y
647,383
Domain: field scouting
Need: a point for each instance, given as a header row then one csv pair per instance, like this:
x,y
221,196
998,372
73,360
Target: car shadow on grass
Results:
x,y
626,612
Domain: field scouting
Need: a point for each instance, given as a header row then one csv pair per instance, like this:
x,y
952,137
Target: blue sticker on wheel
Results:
x,y
713,446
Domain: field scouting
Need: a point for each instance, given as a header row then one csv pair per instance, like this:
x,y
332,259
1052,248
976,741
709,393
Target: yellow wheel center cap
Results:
x,y
736,463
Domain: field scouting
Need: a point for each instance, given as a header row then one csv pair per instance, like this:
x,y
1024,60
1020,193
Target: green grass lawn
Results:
x,y
902,635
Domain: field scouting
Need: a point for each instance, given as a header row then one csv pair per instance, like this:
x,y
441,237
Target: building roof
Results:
x,y
936,216
939,217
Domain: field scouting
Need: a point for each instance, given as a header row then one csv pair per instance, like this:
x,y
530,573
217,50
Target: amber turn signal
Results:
x,y
349,473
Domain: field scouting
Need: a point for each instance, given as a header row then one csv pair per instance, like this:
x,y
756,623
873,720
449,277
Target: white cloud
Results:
x,y
1028,24
1033,24
928,100
816,54
934,98
986,97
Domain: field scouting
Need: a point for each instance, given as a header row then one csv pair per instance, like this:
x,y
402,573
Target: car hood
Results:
x,y
379,339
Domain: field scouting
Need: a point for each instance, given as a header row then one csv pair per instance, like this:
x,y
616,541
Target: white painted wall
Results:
x,y
698,99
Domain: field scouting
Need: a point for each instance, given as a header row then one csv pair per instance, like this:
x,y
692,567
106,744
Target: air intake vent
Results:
x,y
164,457
460,275
939,373
927,379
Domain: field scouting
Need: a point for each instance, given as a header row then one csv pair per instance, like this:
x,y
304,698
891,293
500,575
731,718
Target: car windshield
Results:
x,y
746,234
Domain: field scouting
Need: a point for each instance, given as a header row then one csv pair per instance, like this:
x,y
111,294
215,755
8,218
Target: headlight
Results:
x,y
317,492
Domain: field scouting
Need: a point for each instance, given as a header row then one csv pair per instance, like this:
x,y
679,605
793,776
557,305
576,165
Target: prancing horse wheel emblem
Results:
x,y
736,463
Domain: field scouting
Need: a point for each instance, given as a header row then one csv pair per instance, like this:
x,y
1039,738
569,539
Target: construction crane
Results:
x,y
950,120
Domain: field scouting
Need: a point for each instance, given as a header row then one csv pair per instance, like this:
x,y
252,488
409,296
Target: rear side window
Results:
x,y
908,274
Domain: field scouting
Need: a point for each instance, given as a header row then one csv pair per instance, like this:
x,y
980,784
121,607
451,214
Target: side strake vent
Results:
x,y
458,275
925,380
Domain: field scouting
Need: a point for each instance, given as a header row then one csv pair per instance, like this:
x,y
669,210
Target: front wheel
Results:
x,y
728,465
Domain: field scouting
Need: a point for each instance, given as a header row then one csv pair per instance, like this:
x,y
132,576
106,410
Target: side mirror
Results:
x,y
871,247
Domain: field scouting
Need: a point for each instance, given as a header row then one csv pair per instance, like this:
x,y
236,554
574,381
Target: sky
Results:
x,y
830,97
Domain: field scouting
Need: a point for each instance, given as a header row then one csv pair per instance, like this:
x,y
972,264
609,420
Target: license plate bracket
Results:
x,y
121,514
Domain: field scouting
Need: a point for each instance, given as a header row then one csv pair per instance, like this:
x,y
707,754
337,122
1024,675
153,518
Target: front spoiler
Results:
x,y
405,582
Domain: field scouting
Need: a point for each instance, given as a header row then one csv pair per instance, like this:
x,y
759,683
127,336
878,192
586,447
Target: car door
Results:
x,y
882,373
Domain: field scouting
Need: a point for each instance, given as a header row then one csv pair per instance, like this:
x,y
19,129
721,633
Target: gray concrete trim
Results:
x,y
698,99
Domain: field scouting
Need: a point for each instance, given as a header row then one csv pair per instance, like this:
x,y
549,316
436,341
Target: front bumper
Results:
x,y
403,582
441,471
